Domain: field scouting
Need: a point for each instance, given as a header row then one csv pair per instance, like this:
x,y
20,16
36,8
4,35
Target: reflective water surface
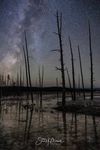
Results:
x,y
44,128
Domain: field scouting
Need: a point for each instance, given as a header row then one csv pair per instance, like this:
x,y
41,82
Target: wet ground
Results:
x,y
42,129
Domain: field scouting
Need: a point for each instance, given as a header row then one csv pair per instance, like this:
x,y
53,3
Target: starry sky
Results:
x,y
37,17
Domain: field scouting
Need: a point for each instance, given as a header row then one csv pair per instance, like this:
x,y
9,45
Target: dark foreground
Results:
x,y
45,128
86,108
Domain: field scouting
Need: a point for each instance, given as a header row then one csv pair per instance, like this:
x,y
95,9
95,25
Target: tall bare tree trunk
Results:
x,y
27,79
81,70
28,68
41,83
70,86
59,27
57,85
73,71
91,61
17,81
20,76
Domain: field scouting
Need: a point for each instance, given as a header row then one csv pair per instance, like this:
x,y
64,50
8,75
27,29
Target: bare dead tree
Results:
x,y
69,80
59,33
41,83
91,60
20,76
17,80
23,79
27,85
28,68
57,85
81,70
73,70
79,84
42,76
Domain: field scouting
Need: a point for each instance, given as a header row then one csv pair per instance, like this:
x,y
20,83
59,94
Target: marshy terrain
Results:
x,y
43,127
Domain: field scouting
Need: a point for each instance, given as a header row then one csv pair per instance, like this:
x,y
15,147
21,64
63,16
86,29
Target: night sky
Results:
x,y
37,17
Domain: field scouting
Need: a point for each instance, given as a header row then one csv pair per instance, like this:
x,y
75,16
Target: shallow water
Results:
x,y
46,129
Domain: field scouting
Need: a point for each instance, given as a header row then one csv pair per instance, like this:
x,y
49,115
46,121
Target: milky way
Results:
x,y
37,17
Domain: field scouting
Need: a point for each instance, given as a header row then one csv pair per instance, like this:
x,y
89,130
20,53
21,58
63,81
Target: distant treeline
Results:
x,y
17,90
